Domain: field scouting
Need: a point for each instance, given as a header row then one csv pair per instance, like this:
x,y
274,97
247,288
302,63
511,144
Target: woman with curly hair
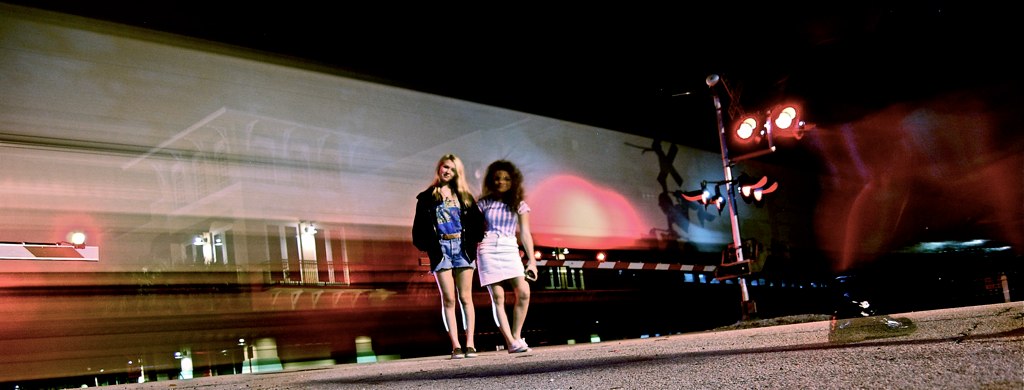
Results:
x,y
501,269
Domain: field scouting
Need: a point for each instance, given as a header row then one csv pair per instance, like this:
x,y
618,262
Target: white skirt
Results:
x,y
498,259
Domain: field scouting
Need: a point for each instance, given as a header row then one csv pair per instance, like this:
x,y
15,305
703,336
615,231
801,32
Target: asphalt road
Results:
x,y
978,347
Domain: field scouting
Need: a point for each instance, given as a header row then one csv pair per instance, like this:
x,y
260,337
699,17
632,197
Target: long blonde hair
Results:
x,y
458,184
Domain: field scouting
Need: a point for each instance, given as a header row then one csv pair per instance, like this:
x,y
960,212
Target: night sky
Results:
x,y
637,69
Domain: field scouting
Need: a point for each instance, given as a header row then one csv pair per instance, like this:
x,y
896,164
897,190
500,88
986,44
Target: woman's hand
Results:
x,y
531,270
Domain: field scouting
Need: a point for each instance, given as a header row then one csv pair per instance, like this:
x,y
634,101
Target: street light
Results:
x,y
787,122
77,239
755,133
753,190
783,120
705,197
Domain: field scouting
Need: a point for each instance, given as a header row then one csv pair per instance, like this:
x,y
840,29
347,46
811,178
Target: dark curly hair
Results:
x,y
514,195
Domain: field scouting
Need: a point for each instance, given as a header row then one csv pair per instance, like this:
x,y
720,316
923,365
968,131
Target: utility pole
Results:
x,y
747,306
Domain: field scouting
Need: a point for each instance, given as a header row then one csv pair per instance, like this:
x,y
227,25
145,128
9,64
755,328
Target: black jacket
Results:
x,y
424,229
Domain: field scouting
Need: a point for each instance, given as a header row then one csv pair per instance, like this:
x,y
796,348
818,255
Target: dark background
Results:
x,y
634,68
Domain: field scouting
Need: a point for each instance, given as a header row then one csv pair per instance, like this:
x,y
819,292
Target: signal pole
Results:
x,y
747,306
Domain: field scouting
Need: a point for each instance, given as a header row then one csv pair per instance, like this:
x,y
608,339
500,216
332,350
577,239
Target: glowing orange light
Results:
x,y
77,238
785,118
747,188
600,256
746,128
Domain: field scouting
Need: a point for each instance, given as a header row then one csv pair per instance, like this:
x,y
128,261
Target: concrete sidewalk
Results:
x,y
963,348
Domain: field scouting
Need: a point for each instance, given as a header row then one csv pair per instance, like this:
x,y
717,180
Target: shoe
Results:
x,y
470,352
519,346
457,353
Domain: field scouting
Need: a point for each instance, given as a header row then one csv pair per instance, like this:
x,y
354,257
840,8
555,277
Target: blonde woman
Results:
x,y
448,225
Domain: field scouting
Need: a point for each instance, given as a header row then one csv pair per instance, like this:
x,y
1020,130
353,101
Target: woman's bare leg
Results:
x,y
498,308
522,289
464,281
446,286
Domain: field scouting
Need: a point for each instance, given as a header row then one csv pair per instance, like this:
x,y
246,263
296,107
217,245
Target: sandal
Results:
x,y
519,346
457,353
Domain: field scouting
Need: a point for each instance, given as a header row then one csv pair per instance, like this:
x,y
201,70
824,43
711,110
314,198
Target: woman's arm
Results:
x,y
423,233
526,238
472,224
